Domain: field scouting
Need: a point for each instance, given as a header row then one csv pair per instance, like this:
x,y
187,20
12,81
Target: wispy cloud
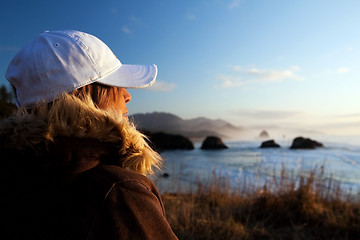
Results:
x,y
234,4
133,23
126,30
190,16
113,10
160,86
342,70
230,81
267,114
353,115
315,122
267,75
135,20
244,75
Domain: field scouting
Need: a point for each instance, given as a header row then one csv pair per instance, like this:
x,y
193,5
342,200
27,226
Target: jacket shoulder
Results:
x,y
109,175
131,209
128,204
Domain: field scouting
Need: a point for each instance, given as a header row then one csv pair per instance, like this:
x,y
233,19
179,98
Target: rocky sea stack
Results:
x,y
305,143
213,143
264,134
269,144
165,141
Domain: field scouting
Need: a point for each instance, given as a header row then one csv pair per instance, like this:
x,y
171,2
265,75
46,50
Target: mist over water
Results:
x,y
285,136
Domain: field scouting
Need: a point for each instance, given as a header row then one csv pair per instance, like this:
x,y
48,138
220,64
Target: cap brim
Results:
x,y
131,76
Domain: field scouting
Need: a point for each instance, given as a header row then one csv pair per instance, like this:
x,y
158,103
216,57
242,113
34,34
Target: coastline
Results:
x,y
341,162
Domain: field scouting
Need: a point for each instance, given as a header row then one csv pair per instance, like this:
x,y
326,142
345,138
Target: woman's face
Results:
x,y
123,98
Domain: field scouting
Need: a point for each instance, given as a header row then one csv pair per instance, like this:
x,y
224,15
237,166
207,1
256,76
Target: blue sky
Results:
x,y
277,64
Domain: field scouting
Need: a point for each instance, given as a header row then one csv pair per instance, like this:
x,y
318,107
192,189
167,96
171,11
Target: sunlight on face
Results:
x,y
121,101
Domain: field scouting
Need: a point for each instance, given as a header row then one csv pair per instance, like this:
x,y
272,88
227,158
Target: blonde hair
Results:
x,y
102,95
78,114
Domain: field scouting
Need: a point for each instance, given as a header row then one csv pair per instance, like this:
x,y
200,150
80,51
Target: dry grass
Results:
x,y
311,207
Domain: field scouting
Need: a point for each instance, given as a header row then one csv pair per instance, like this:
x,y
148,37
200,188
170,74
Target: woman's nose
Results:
x,y
127,96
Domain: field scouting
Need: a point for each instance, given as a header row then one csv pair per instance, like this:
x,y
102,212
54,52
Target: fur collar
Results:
x,y
71,118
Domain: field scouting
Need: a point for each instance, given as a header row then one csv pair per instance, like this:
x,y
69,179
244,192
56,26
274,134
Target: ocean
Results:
x,y
245,160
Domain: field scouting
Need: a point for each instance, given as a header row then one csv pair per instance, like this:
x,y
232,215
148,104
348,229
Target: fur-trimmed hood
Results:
x,y
73,129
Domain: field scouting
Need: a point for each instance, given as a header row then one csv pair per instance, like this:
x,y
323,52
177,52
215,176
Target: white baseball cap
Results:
x,y
62,61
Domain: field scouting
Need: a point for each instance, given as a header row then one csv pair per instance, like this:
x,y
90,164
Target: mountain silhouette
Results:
x,y
196,128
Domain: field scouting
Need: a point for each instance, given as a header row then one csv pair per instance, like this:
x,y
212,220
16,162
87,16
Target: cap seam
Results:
x,y
86,49
43,74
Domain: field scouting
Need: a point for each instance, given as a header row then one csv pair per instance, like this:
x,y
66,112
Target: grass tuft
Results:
x,y
310,206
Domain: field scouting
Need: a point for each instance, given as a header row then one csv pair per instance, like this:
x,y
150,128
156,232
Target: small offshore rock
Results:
x,y
165,141
305,143
269,144
264,134
165,175
212,143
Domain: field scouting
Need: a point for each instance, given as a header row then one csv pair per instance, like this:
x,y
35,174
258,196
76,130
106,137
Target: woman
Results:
x,y
74,167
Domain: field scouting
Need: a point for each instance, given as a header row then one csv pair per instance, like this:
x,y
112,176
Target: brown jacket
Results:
x,y
73,188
